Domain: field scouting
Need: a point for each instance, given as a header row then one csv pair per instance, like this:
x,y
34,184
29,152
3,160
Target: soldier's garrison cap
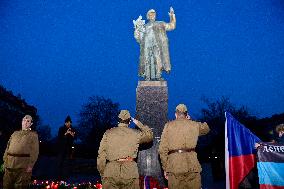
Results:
x,y
181,108
124,114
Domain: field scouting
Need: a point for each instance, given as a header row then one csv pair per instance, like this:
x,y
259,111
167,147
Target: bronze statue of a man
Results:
x,y
154,50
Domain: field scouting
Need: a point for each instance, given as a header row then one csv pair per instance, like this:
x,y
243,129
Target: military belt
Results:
x,y
18,155
125,159
183,150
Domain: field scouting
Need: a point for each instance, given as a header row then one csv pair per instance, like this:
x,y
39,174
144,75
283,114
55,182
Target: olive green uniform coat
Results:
x,y
21,143
183,168
121,142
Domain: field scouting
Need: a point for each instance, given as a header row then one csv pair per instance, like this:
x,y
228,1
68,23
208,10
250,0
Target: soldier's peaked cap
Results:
x,y
181,108
124,114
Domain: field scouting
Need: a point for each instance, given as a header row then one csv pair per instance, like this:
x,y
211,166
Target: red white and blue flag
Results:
x,y
240,154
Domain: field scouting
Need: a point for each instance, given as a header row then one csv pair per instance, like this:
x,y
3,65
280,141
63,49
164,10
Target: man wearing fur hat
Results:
x,y
177,150
118,151
66,135
20,156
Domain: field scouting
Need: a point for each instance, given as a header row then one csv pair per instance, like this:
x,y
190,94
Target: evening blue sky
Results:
x,y
57,54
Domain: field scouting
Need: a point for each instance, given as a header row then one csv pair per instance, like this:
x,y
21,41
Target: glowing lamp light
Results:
x,y
49,184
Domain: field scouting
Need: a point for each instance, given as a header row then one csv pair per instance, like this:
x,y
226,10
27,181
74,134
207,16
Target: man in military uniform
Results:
x,y
117,153
20,156
177,150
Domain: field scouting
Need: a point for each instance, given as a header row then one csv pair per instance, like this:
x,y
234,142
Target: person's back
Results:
x,y
117,153
122,142
183,134
177,150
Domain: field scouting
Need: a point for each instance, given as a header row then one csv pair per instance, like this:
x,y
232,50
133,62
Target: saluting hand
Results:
x,y
188,117
134,120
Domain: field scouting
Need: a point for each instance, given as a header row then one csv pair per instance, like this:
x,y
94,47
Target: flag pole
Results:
x,y
227,155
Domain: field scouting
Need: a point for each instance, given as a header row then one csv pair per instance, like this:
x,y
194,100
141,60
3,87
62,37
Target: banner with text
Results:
x,y
270,166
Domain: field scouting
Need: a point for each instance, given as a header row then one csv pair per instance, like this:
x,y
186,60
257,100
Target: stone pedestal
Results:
x,y
152,110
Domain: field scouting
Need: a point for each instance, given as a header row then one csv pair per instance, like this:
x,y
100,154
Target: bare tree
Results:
x,y
96,116
214,114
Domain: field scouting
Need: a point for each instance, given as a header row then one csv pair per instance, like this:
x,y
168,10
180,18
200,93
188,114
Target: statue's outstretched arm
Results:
x,y
172,25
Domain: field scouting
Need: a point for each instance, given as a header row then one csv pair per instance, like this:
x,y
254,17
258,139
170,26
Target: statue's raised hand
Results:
x,y
172,12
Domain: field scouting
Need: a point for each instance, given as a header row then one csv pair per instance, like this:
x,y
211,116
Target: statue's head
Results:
x,y
151,15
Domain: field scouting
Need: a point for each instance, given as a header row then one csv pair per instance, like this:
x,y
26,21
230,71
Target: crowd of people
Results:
x,y
117,152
